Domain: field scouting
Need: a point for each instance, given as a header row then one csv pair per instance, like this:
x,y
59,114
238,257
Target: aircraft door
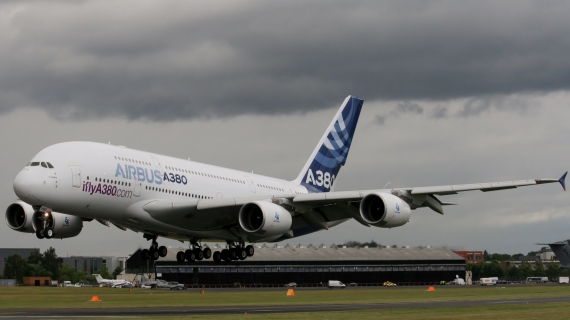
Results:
x,y
76,177
156,163
137,190
251,184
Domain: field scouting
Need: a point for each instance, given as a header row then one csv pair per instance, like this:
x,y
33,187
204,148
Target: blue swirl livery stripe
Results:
x,y
333,152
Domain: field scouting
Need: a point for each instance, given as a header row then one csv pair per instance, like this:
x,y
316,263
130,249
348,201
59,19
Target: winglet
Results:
x,y
562,180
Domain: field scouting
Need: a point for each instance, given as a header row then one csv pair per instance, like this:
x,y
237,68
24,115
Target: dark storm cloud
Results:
x,y
178,60
405,107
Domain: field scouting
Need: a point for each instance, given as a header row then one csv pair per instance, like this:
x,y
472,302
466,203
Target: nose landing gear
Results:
x,y
45,230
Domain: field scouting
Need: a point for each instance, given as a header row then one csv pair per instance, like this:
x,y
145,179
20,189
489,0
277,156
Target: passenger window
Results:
x,y
34,164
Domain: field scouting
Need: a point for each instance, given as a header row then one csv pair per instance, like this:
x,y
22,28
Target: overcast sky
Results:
x,y
455,92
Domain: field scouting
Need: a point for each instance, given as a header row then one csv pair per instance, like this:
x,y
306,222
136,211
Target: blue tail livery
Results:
x,y
321,170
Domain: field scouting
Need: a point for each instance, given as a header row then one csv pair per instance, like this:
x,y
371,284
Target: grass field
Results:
x,y
37,297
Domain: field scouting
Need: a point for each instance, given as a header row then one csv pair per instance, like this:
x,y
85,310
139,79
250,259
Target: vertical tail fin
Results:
x,y
322,168
562,251
98,277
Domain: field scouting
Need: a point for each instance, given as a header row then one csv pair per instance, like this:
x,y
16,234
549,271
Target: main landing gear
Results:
x,y
234,251
154,252
195,252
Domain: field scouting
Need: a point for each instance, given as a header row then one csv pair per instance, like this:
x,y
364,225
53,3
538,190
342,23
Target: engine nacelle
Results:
x,y
19,217
384,210
63,225
264,218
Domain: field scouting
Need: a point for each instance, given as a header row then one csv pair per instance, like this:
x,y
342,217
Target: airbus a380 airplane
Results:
x,y
160,196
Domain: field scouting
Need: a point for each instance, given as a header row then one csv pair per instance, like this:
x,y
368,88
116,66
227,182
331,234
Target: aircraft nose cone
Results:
x,y
22,185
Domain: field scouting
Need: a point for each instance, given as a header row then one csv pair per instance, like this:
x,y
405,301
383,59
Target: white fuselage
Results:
x,y
112,183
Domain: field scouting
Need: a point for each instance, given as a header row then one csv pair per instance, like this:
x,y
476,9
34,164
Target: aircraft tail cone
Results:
x,y
431,289
290,293
95,299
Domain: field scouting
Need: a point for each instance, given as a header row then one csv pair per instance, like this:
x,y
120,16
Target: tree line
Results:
x,y
49,264
514,272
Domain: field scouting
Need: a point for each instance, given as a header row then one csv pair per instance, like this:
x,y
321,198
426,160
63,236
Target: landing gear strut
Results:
x,y
195,252
45,231
234,251
154,252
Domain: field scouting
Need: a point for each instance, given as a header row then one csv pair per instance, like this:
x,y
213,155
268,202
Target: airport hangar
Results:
x,y
311,265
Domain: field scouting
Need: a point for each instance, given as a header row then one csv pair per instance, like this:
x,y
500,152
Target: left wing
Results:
x,y
315,211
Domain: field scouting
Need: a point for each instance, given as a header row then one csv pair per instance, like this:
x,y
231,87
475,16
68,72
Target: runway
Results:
x,y
219,310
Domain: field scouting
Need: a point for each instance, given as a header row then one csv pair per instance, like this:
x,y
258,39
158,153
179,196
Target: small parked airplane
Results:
x,y
110,282
68,183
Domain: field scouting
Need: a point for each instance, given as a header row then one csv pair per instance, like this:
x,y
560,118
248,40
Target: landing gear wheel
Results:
x,y
48,233
226,255
199,254
233,254
145,254
154,254
249,250
217,256
241,253
207,253
162,251
189,255
40,234
180,256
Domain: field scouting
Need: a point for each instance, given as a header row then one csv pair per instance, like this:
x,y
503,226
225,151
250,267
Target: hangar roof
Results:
x,y
274,252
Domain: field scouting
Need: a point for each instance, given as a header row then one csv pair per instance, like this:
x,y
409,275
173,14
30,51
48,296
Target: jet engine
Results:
x,y
384,210
264,218
20,216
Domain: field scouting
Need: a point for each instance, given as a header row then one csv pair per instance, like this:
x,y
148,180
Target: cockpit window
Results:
x,y
44,165
49,165
34,164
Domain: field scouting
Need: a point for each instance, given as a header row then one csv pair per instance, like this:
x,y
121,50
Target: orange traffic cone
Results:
x,y
95,299
290,293
431,289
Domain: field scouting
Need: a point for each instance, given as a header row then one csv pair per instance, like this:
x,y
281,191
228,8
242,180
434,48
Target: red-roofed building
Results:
x,y
471,256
